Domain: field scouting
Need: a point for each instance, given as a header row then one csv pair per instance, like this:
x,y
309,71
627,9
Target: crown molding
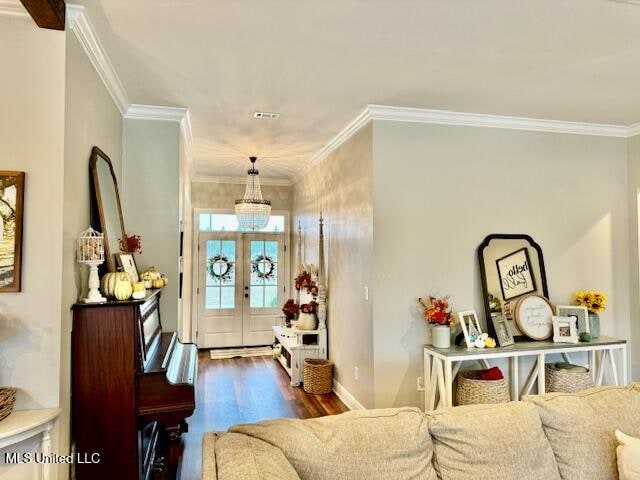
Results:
x,y
156,112
230,180
345,134
78,22
12,8
445,117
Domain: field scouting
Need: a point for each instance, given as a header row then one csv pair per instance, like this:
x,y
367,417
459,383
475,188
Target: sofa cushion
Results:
x,y
498,442
363,444
240,457
581,428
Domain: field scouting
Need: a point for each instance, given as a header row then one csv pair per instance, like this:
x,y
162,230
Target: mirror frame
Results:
x,y
483,272
97,211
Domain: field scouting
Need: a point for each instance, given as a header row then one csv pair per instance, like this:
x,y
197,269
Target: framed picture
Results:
x,y
503,333
533,315
127,263
470,326
580,313
565,330
11,213
514,272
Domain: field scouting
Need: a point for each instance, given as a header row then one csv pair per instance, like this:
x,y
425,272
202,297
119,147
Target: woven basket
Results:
x,y
7,399
318,376
566,381
471,390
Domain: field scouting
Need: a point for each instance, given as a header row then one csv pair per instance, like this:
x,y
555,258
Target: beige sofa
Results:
x,y
554,436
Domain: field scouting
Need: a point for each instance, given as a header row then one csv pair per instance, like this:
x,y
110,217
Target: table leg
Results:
x,y
623,354
45,445
441,383
515,378
601,363
433,385
448,383
592,365
426,377
541,379
614,368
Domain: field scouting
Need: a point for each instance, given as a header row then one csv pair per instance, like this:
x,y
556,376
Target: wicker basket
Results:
x,y
472,390
318,376
7,399
566,381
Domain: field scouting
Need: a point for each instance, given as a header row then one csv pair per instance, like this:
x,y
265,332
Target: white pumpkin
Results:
x,y
109,281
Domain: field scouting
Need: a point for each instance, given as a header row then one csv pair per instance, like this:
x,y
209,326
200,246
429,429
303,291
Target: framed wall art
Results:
x,y
127,263
514,272
533,314
565,330
504,335
470,326
581,315
11,215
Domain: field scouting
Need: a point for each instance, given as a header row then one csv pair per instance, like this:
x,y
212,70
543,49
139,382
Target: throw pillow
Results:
x,y
382,444
498,442
580,427
628,453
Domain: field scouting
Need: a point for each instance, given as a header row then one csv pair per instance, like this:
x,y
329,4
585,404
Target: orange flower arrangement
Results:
x,y
437,311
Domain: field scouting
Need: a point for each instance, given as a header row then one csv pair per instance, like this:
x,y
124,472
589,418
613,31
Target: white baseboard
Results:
x,y
346,397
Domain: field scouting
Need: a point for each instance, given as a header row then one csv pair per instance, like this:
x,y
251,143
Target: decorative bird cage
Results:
x,y
91,246
91,252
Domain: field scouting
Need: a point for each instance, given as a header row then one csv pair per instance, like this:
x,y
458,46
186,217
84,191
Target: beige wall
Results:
x,y
151,201
92,119
32,140
340,186
439,190
634,260
223,195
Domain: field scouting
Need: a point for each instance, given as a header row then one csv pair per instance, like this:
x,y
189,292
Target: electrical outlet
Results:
x,y
420,384
355,372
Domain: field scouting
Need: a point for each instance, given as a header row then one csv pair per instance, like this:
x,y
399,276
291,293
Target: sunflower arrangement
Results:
x,y
437,311
596,302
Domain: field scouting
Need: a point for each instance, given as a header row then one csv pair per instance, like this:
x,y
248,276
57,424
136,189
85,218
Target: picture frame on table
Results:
x,y
470,326
504,335
127,263
11,219
515,275
565,329
580,313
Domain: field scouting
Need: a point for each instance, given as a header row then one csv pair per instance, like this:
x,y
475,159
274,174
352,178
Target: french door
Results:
x,y
240,288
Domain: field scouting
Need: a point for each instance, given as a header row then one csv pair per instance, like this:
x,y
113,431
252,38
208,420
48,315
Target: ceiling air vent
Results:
x,y
266,115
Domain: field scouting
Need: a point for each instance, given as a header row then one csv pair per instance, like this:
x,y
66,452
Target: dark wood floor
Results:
x,y
244,390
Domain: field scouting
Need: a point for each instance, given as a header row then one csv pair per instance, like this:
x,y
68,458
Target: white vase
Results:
x,y
441,336
307,321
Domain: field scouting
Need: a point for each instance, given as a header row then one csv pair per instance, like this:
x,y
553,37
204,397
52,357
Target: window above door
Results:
x,y
227,222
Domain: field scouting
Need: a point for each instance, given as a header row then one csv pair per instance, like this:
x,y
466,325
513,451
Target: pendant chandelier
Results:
x,y
253,211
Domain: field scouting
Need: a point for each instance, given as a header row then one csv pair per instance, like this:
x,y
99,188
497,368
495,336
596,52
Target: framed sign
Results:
x,y
533,314
470,326
581,314
565,330
503,333
127,263
11,212
514,272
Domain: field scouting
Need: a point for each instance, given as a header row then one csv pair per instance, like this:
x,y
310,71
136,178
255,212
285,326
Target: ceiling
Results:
x,y
320,63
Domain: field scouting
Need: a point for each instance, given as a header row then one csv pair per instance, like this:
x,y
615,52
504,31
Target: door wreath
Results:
x,y
264,267
220,268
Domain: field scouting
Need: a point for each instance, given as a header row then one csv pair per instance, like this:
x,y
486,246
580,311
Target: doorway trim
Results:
x,y
193,327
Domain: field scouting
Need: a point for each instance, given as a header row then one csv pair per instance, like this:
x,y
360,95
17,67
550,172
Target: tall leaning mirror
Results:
x,y
106,210
511,266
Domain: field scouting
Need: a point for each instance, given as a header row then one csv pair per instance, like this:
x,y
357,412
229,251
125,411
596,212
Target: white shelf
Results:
x,y
290,339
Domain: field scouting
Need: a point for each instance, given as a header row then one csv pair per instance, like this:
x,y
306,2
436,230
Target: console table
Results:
x,y
441,365
21,425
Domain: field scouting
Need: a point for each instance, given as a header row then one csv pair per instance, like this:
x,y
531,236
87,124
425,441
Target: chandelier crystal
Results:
x,y
253,211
